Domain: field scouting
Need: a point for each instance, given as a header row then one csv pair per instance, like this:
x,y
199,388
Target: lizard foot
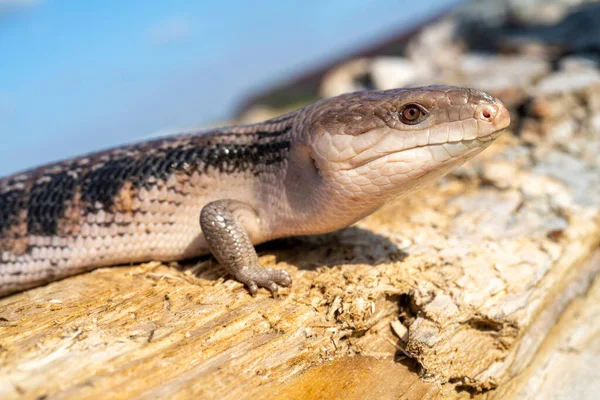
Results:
x,y
259,277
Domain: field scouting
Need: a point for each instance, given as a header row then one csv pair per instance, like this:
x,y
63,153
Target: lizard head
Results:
x,y
369,146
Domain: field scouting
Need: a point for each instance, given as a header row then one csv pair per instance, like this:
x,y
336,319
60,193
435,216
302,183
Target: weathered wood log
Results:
x,y
565,365
466,278
453,291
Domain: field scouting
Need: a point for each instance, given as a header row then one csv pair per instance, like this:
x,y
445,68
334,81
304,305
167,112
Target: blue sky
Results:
x,y
77,76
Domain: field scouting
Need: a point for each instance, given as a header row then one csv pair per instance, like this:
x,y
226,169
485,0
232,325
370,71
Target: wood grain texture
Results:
x,y
469,280
468,269
565,364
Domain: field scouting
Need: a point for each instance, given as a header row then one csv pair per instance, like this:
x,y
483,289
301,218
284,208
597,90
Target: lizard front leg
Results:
x,y
227,226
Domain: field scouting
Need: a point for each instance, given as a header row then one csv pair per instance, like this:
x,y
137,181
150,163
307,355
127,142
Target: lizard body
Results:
x,y
312,171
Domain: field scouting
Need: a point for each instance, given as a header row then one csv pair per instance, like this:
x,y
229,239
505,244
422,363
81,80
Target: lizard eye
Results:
x,y
412,114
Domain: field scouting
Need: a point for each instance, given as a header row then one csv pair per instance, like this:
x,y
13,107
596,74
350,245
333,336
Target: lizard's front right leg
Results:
x,y
226,225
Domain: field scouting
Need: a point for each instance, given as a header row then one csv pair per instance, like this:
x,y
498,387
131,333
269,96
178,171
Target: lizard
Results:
x,y
312,171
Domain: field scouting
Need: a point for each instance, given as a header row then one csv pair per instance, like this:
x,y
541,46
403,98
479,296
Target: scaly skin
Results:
x,y
312,171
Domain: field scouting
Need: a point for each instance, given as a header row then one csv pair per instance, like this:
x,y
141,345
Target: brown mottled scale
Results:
x,y
312,171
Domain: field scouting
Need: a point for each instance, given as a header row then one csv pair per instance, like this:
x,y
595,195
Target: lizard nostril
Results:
x,y
486,112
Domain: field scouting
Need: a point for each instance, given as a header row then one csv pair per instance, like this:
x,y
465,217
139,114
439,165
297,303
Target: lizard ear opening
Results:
x,y
304,155
305,165
313,162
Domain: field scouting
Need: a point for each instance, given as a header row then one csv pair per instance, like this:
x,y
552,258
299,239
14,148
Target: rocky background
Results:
x,y
516,50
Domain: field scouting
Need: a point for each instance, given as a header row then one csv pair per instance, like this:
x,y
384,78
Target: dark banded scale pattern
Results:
x,y
93,182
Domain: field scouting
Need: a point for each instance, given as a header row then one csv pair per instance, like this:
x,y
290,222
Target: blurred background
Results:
x,y
79,76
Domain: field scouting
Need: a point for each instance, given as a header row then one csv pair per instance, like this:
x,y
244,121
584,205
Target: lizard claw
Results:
x,y
268,278
252,287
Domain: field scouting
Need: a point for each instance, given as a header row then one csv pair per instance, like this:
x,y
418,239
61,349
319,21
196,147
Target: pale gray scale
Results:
x,y
228,226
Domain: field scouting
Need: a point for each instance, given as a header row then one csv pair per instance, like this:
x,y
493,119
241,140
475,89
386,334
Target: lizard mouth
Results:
x,y
451,151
